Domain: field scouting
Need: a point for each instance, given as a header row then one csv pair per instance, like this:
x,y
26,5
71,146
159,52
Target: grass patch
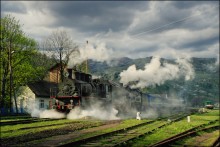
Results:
x,y
204,139
176,128
123,125
22,129
15,118
16,137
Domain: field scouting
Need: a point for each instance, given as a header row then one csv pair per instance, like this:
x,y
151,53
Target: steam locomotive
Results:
x,y
79,89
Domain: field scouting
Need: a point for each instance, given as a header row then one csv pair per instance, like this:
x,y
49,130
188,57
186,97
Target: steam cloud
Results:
x,y
51,114
33,109
97,52
96,111
154,73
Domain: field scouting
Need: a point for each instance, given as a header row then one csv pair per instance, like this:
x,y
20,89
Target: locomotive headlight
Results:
x,y
71,101
75,94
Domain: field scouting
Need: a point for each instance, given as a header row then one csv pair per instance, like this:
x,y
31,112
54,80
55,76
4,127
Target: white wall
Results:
x,y
27,101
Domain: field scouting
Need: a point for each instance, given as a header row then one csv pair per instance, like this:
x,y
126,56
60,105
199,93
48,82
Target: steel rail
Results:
x,y
187,133
123,131
216,142
96,137
123,143
25,121
34,127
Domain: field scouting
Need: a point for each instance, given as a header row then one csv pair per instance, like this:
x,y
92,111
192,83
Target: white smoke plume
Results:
x,y
51,114
154,73
150,113
95,111
186,68
97,52
33,109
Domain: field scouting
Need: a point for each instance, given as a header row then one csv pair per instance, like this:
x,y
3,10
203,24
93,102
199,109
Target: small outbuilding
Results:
x,y
34,96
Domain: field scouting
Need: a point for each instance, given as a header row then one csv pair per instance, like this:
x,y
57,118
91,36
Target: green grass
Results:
x,y
52,127
15,133
123,125
34,124
132,133
176,128
15,118
207,142
22,129
210,113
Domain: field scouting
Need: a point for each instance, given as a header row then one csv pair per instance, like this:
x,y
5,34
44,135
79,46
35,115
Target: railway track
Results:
x,y
119,137
191,132
25,121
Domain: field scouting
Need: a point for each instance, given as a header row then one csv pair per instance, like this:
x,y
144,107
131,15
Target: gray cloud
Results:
x,y
158,25
197,16
192,4
16,7
200,45
95,16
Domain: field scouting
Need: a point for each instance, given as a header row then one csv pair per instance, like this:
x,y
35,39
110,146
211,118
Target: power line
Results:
x,y
157,28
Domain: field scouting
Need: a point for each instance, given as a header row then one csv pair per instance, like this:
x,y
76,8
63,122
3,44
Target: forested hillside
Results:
x,y
204,86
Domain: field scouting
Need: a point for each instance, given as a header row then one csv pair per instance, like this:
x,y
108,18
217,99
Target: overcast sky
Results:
x,y
132,29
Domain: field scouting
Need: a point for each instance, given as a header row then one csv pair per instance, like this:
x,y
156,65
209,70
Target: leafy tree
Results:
x,y
17,62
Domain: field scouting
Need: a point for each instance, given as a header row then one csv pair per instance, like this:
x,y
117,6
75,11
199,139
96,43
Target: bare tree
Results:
x,y
59,45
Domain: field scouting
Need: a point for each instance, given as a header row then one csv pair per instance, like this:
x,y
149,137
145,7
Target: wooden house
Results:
x,y
36,95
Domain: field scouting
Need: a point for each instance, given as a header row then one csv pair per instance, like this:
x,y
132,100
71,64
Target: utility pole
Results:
x,y
61,64
11,87
10,77
87,58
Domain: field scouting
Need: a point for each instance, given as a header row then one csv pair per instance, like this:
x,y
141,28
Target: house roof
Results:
x,y
57,65
42,88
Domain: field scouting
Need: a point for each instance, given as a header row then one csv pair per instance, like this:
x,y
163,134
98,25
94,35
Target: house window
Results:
x,y
41,103
106,88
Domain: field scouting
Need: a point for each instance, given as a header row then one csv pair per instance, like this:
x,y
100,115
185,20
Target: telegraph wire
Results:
x,y
157,28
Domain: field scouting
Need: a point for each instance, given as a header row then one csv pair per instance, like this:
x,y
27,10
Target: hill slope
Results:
x,y
205,85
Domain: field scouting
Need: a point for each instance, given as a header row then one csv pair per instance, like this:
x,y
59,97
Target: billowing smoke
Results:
x,y
51,114
150,113
33,109
95,110
156,73
123,101
98,52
